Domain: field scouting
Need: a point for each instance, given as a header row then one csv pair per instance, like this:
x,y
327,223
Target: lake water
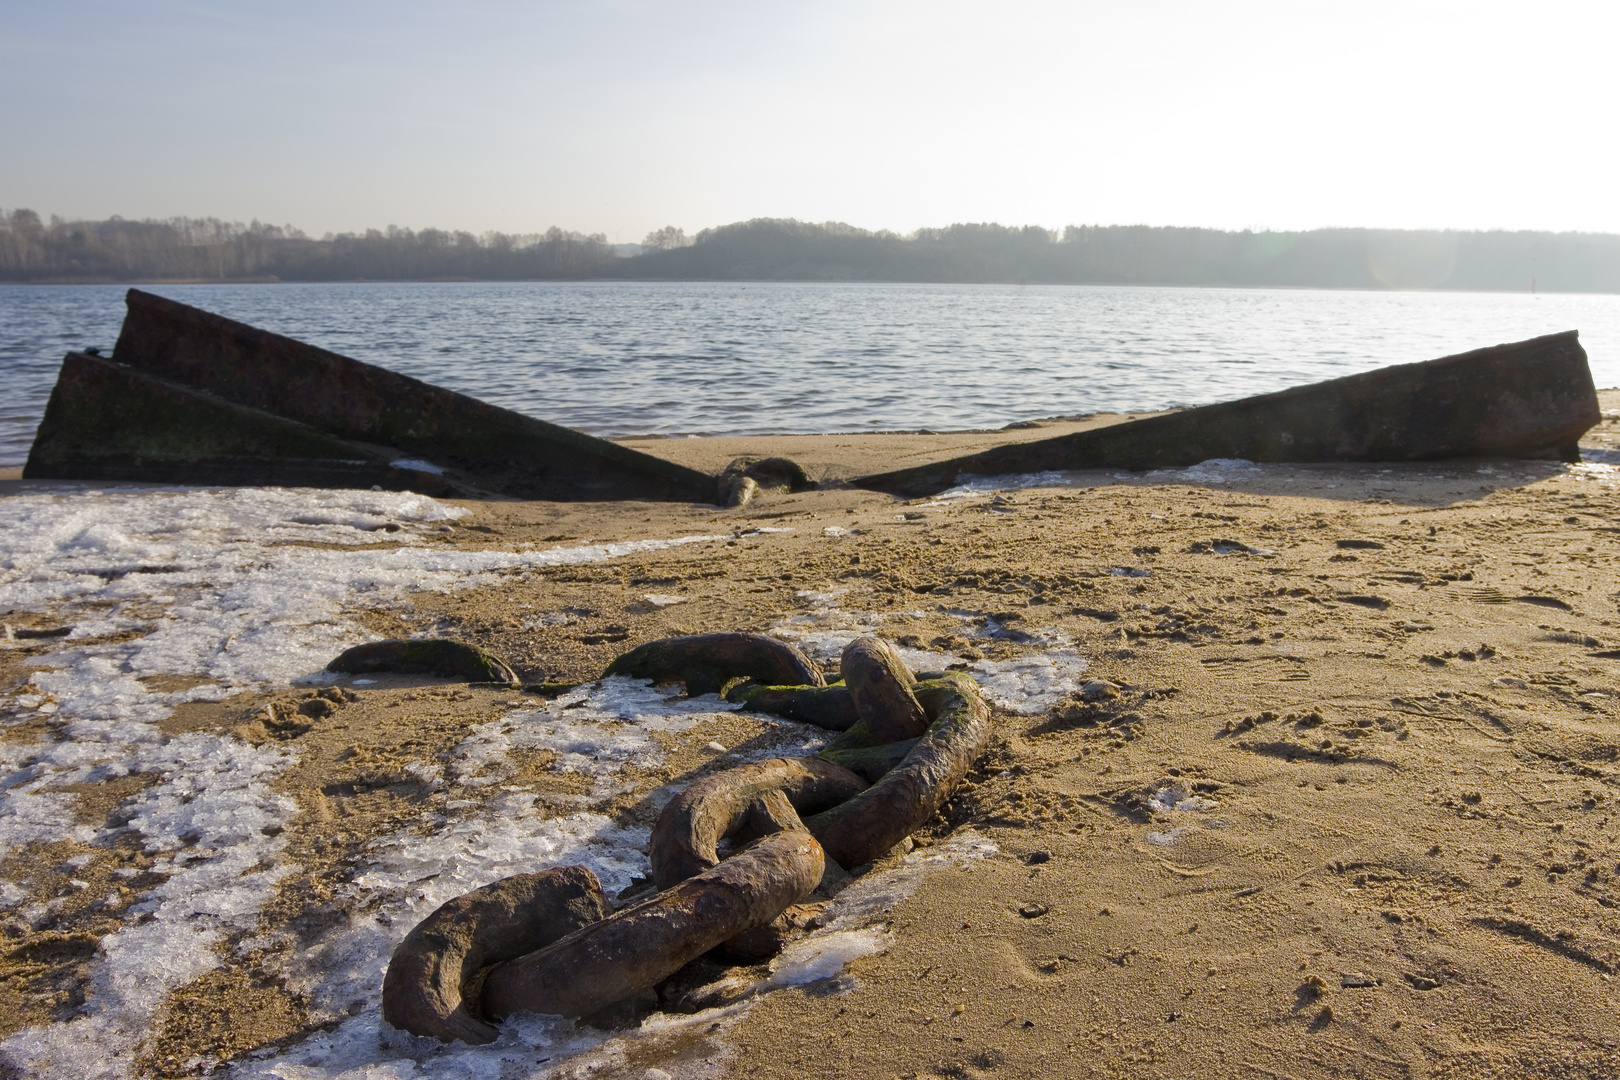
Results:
x,y
699,358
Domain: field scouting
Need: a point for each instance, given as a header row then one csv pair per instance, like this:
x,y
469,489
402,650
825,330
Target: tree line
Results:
x,y
207,249
776,249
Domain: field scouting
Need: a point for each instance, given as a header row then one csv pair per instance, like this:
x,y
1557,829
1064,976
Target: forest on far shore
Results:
x,y
775,249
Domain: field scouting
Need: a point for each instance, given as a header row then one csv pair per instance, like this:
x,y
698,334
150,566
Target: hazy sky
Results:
x,y
621,116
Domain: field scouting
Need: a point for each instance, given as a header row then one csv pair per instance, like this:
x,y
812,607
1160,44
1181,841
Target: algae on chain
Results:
x,y
870,762
831,707
902,801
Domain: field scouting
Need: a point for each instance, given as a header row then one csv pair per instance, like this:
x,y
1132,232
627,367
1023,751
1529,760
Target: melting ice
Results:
x,y
249,588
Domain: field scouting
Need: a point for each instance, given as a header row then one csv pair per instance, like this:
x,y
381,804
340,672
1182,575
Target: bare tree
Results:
x,y
666,239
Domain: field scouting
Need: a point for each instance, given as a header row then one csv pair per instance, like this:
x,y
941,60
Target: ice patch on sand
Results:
x,y
852,924
225,585
875,896
237,589
968,484
418,465
1212,471
216,829
594,730
1030,684
252,587
1179,797
1026,684
824,956
528,1048
824,598
408,874
1597,470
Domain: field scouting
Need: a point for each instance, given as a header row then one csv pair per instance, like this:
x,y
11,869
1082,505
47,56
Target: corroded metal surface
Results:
x,y
1529,399
430,970
424,656
736,905
691,825
880,683
865,827
641,946
706,662
481,447
106,421
830,707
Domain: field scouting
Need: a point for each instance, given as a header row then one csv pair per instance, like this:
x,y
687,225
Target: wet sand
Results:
x,y
1389,696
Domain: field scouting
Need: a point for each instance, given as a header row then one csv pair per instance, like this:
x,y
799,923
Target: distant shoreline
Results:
x,y
207,250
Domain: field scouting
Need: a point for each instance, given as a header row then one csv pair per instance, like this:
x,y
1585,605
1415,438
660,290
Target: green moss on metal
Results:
x,y
870,762
831,707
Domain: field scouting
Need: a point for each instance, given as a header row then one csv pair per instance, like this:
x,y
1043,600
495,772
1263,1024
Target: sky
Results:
x,y
622,116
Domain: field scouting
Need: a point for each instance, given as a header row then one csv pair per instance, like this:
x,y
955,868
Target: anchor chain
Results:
x,y
551,942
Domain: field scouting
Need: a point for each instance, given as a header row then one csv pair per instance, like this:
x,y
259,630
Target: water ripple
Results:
x,y
619,358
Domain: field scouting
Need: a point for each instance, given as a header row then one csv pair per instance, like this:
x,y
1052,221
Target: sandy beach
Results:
x,y
1343,807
